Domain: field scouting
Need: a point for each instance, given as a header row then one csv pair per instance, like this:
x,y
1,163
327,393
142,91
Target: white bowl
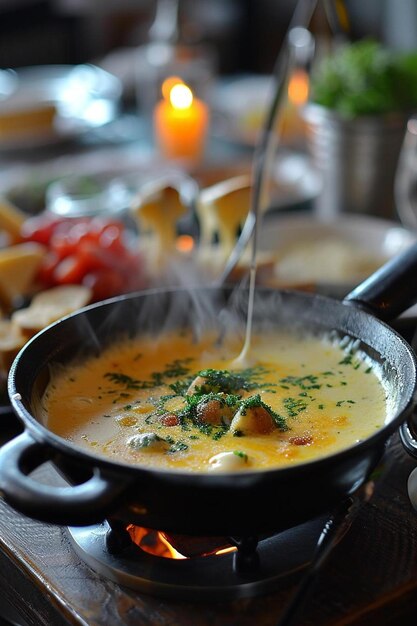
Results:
x,y
332,254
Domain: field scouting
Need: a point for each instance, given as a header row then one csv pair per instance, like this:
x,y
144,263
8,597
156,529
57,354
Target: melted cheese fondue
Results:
x,y
175,404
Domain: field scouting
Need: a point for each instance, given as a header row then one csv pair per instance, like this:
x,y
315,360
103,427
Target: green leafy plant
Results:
x,y
366,78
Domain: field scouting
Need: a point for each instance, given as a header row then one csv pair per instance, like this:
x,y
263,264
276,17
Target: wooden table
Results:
x,y
370,578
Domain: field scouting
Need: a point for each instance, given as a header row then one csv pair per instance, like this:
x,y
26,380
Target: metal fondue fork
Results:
x,y
298,40
298,43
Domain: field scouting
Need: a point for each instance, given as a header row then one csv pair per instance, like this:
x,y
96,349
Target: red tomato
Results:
x,y
104,283
97,224
61,244
111,238
78,231
40,228
91,255
47,269
88,251
70,270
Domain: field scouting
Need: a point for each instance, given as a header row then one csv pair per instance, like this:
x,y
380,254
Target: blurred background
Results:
x,y
86,126
246,34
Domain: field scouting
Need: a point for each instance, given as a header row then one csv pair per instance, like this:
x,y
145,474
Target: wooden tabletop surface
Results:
x,y
370,577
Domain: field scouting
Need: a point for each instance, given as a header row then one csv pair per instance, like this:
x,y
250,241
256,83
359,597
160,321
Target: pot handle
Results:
x,y
408,434
408,438
78,505
391,289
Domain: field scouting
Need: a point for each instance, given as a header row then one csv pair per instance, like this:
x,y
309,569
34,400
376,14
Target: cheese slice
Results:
x,y
157,208
11,220
222,208
11,340
19,265
49,306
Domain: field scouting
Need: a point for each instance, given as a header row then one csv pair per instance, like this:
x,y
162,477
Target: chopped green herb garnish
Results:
x,y
241,454
173,370
180,386
347,360
294,407
230,382
341,402
254,402
178,446
304,382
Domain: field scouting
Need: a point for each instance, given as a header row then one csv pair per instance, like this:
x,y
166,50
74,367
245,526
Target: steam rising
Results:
x,y
191,305
194,306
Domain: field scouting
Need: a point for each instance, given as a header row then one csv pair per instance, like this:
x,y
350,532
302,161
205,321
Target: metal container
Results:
x,y
357,159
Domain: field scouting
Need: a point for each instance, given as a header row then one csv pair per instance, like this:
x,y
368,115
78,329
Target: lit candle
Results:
x,y
180,122
298,88
292,124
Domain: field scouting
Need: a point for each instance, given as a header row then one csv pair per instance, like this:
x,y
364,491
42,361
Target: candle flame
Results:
x,y
298,88
181,96
168,84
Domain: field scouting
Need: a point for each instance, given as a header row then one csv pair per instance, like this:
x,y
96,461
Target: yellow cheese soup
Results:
x,y
174,403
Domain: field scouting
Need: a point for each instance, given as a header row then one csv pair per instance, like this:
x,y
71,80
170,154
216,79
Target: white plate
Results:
x,y
338,252
84,96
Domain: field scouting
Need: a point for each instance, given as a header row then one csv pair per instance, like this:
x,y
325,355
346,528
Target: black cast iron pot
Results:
x,y
238,503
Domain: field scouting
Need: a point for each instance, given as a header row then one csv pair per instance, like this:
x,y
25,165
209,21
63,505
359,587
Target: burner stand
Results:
x,y
204,577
